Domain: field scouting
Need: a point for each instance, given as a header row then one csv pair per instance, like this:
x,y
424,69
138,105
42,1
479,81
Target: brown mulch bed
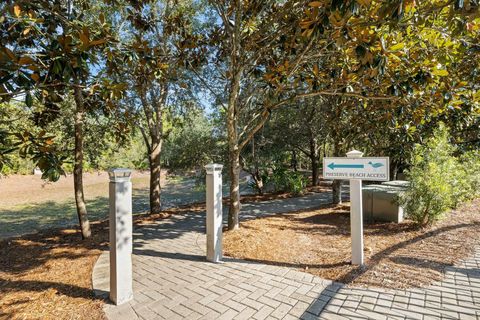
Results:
x,y
396,255
47,275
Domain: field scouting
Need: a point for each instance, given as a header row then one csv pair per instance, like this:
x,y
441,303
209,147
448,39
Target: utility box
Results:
x,y
380,202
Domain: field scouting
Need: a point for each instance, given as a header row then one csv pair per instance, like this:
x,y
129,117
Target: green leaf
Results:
x,y
28,99
440,72
397,47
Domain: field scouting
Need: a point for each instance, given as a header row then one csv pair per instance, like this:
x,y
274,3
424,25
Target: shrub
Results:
x,y
435,179
469,165
259,182
288,181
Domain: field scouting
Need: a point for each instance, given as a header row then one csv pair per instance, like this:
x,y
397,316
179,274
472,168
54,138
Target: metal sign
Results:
x,y
372,169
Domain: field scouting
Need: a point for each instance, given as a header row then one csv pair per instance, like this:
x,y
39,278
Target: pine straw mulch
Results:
x,y
396,255
47,275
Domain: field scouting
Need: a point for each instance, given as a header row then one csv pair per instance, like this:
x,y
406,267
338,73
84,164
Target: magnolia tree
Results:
x,y
159,45
47,52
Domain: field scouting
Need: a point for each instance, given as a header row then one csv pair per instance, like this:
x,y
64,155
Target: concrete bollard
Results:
x,y
121,244
356,214
214,212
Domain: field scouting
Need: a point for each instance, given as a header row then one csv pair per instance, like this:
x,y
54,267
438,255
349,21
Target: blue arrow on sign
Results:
x,y
346,166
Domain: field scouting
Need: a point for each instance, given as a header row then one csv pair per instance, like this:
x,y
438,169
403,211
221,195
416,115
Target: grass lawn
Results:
x,y
28,204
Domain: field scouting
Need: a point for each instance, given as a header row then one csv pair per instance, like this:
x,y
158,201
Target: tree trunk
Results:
x,y
78,166
234,209
337,191
256,175
294,161
314,160
155,176
234,152
337,184
257,178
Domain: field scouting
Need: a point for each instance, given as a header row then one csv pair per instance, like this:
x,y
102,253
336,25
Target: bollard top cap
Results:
x,y
212,167
119,174
355,154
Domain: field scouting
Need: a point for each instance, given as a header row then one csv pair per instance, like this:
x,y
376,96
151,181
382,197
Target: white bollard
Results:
x,y
214,212
121,245
356,214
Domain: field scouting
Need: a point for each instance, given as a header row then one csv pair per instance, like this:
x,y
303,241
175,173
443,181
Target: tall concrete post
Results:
x,y
356,214
121,246
214,212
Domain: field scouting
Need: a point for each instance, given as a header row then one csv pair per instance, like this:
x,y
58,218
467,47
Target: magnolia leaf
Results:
x,y
98,42
28,99
85,40
315,4
398,46
364,2
25,60
17,10
35,77
10,54
440,72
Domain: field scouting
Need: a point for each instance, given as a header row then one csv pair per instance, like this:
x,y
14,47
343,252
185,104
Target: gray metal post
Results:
x,y
121,245
214,212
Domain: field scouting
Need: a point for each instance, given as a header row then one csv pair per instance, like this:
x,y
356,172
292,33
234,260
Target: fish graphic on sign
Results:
x,y
375,165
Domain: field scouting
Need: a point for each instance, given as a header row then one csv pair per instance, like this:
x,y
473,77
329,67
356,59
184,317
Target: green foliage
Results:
x,y
439,181
130,155
261,178
469,171
193,145
285,180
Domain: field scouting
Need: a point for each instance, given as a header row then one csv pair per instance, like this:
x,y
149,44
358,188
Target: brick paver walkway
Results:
x,y
172,280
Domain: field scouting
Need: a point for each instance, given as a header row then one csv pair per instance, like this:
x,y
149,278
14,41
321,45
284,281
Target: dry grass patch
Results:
x,y
396,255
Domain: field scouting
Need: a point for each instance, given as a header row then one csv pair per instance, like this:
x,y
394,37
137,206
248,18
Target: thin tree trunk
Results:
x,y
257,176
154,140
234,208
155,176
337,184
78,166
314,160
294,160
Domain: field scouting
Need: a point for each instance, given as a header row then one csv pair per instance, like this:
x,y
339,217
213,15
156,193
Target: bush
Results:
x,y
438,180
469,164
288,181
260,181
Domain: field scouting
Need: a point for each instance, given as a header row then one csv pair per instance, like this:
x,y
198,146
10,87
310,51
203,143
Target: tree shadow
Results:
x,y
40,286
322,300
19,255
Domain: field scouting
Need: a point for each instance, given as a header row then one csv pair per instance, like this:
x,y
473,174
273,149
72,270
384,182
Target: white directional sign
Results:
x,y
373,169
356,168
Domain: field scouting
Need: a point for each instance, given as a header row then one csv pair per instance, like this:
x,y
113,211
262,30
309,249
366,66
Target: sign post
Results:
x,y
356,214
356,168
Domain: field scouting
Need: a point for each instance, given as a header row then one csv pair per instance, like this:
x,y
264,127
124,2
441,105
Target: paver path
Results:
x,y
172,280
